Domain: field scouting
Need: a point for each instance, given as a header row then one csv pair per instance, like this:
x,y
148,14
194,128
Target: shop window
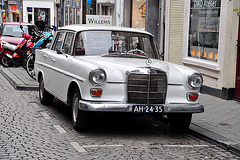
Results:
x,y
45,14
204,29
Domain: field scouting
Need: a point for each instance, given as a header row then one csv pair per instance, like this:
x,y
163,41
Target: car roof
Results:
x,y
18,23
84,27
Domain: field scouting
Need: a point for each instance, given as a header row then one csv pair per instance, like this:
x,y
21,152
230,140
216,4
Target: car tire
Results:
x,y
79,117
180,122
45,97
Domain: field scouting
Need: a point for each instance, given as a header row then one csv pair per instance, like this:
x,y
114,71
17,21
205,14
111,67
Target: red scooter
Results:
x,y
12,55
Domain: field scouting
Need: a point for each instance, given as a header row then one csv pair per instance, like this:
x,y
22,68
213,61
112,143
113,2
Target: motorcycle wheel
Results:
x,y
6,61
30,67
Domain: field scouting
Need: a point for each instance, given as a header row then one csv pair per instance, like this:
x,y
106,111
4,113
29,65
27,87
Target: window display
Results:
x,y
204,29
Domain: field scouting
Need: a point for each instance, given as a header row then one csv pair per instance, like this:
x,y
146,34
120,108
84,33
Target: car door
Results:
x,y
61,62
52,59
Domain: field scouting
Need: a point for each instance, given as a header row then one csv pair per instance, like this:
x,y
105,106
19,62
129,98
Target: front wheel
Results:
x,y
79,117
180,122
45,97
30,67
6,61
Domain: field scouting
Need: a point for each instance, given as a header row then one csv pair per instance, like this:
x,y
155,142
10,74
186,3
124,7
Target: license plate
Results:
x,y
147,109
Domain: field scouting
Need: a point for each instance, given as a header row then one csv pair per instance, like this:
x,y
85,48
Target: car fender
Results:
x,y
71,86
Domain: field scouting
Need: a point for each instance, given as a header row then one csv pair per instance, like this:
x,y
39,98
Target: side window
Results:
x,y
67,46
58,41
78,45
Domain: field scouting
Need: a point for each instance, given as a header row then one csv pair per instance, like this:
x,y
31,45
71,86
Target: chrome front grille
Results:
x,y
147,88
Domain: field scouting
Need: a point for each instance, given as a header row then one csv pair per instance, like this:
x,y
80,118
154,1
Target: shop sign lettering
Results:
x,y
210,25
205,3
99,20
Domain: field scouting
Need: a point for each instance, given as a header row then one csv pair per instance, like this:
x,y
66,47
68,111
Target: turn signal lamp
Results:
x,y
96,92
192,96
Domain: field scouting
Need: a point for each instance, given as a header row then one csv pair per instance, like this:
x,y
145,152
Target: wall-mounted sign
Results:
x,y
14,7
43,15
205,3
99,20
68,3
77,3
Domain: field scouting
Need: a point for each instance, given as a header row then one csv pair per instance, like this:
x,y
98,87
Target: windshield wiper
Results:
x,y
8,35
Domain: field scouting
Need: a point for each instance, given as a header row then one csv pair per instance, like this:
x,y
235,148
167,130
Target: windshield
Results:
x,y
15,30
114,43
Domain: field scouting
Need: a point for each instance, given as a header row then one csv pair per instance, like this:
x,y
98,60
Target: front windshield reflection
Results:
x,y
113,43
15,30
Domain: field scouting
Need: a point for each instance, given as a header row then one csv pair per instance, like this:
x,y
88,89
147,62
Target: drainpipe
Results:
x,y
161,26
61,13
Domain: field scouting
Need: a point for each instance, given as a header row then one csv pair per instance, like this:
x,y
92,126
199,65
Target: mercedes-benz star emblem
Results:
x,y
148,62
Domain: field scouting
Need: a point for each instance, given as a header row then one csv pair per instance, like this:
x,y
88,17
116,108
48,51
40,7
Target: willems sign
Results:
x,y
99,20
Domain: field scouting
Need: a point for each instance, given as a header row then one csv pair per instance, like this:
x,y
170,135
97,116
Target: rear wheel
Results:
x,y
180,122
79,117
45,97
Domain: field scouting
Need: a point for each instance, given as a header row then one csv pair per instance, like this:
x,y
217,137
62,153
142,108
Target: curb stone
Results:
x,y
214,138
16,82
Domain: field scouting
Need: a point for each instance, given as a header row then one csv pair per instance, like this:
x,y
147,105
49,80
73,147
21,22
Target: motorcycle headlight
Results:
x,y
97,77
195,81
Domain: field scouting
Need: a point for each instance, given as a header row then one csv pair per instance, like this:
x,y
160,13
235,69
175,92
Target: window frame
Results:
x,y
212,65
71,43
55,40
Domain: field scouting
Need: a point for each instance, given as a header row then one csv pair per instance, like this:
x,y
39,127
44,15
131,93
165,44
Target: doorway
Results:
x,y
237,89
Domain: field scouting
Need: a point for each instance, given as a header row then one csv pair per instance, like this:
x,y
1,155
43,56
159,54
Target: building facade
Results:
x,y
203,35
64,12
77,11
32,9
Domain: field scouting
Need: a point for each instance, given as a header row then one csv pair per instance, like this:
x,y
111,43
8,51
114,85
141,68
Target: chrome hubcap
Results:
x,y
75,107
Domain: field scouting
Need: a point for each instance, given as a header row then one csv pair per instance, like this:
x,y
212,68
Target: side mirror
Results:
x,y
21,27
48,45
59,51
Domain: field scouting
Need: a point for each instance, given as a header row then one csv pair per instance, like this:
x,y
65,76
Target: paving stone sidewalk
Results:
x,y
220,122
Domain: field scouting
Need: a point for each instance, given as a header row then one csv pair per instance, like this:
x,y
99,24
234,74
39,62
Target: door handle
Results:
x,y
45,56
53,60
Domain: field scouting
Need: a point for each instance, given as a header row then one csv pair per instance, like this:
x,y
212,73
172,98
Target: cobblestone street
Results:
x,y
30,130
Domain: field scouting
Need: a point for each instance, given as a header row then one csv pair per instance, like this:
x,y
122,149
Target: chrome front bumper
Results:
x,y
125,107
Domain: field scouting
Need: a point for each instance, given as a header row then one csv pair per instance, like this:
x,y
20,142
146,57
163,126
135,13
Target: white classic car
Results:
x,y
112,69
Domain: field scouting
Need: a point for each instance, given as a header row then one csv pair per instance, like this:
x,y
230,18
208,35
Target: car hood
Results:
x,y
15,40
116,68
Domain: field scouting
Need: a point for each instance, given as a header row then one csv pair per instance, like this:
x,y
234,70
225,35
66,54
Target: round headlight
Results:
x,y
97,77
195,80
